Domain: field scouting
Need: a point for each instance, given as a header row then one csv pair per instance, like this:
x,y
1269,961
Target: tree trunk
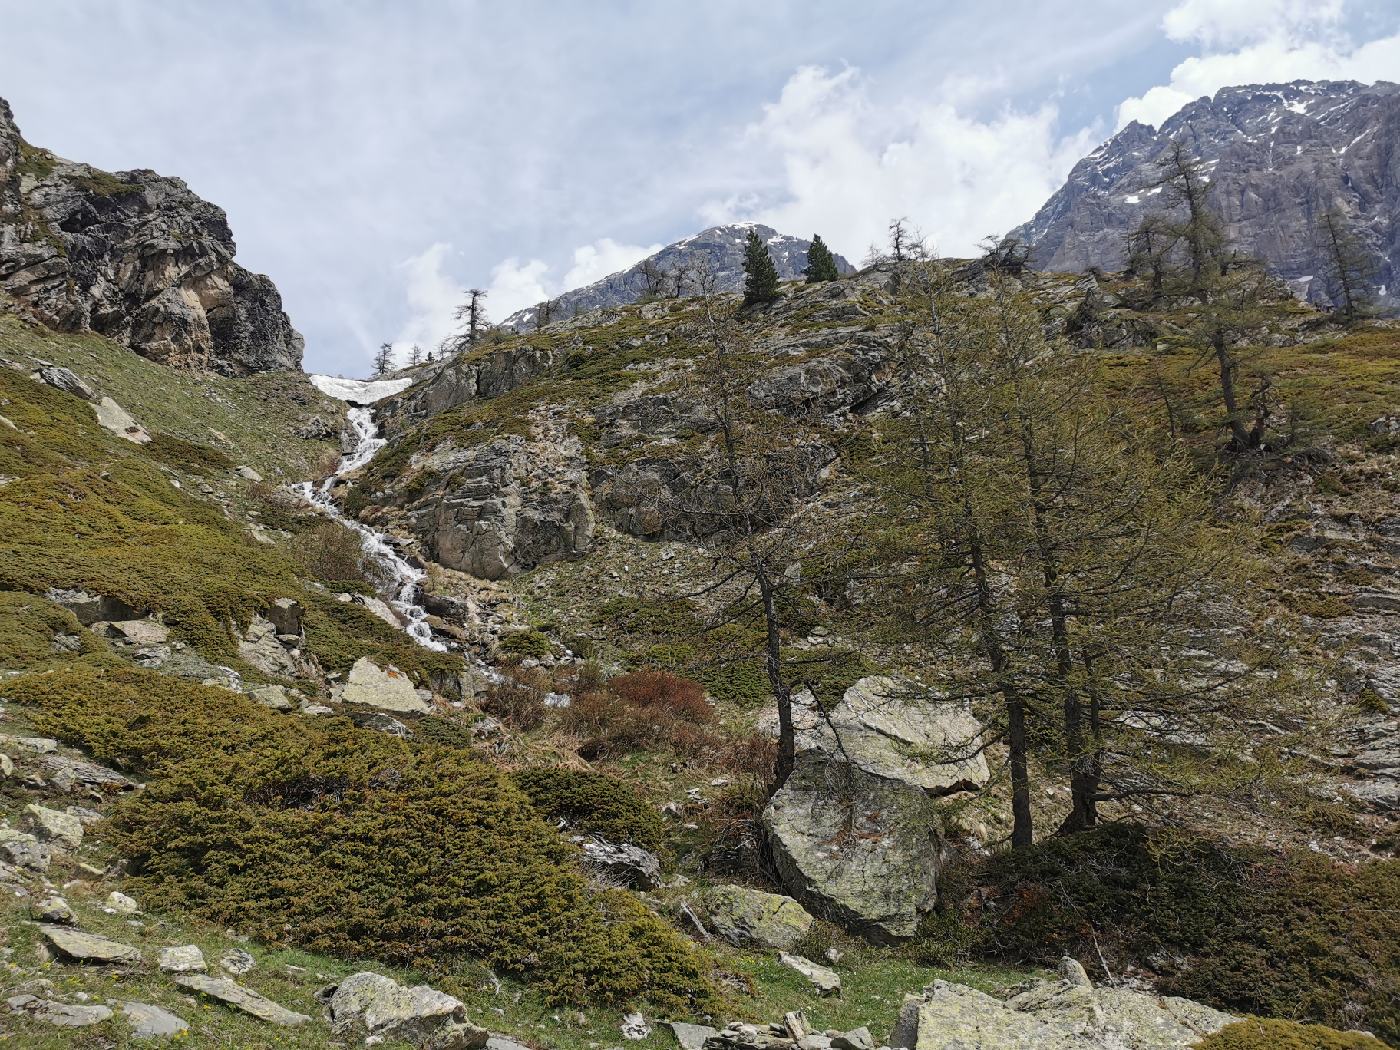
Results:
x,y
782,693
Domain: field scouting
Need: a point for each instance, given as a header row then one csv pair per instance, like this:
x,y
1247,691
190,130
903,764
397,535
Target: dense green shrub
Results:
x,y
1294,936
29,627
1255,1034
352,842
592,803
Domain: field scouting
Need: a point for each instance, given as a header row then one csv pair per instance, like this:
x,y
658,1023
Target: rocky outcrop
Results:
x,y
1064,1014
137,257
504,506
720,250
1275,153
478,375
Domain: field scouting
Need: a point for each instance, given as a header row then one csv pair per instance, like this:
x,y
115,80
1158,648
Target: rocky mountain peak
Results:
x,y
1276,156
135,256
719,248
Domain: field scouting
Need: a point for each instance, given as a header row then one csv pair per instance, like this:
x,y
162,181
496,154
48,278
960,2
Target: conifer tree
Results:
x,y
760,275
821,264
1070,575
383,359
415,355
1350,267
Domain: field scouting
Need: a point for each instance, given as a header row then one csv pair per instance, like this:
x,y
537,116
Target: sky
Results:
x,y
377,158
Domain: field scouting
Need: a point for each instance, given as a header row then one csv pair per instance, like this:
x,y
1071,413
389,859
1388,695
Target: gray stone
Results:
x,y
233,994
119,903
53,909
140,632
262,648
855,847
52,825
67,380
119,421
248,474
152,1022
91,608
71,775
183,958
691,1036
1064,1014
898,731
824,979
61,1015
89,947
748,917
273,696
501,1042
237,962
24,850
621,865
381,1008
387,689
285,614
856,1039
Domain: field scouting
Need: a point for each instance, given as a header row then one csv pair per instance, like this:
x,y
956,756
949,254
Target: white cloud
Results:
x,y
1231,22
431,295
601,258
849,165
1259,42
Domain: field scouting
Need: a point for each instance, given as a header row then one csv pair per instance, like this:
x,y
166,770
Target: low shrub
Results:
x,y
592,803
1254,1034
638,711
518,699
354,843
1295,936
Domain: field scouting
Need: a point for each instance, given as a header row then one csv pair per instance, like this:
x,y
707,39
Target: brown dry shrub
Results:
x,y
643,710
518,699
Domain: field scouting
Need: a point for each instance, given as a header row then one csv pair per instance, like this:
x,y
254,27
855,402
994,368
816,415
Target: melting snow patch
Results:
x,y
359,391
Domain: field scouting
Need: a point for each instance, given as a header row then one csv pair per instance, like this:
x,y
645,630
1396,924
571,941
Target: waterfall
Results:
x,y
407,578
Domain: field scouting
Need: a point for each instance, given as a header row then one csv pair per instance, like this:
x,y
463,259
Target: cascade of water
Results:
x,y
406,578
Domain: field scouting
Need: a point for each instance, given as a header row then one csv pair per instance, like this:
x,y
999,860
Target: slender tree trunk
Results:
x,y
782,692
1017,743
1239,436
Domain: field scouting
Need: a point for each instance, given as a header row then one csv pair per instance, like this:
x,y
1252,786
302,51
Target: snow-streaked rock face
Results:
x,y
359,391
720,248
1276,155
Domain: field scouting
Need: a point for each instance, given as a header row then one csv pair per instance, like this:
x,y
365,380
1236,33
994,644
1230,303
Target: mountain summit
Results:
x,y
720,249
1277,156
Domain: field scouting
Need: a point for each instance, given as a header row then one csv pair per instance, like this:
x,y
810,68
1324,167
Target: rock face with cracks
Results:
x,y
137,257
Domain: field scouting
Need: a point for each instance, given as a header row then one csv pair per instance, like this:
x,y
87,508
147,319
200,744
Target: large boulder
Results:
x,y
855,847
388,689
898,731
81,947
381,1008
1063,1014
744,917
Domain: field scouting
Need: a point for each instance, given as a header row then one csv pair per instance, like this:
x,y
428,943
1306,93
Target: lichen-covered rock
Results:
x,y
152,1022
855,847
823,978
53,825
745,916
1064,1014
89,947
233,994
898,731
137,257
388,689
182,958
61,1015
382,1009
621,864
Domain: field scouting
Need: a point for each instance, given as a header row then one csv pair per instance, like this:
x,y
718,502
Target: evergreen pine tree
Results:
x,y
760,275
821,264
